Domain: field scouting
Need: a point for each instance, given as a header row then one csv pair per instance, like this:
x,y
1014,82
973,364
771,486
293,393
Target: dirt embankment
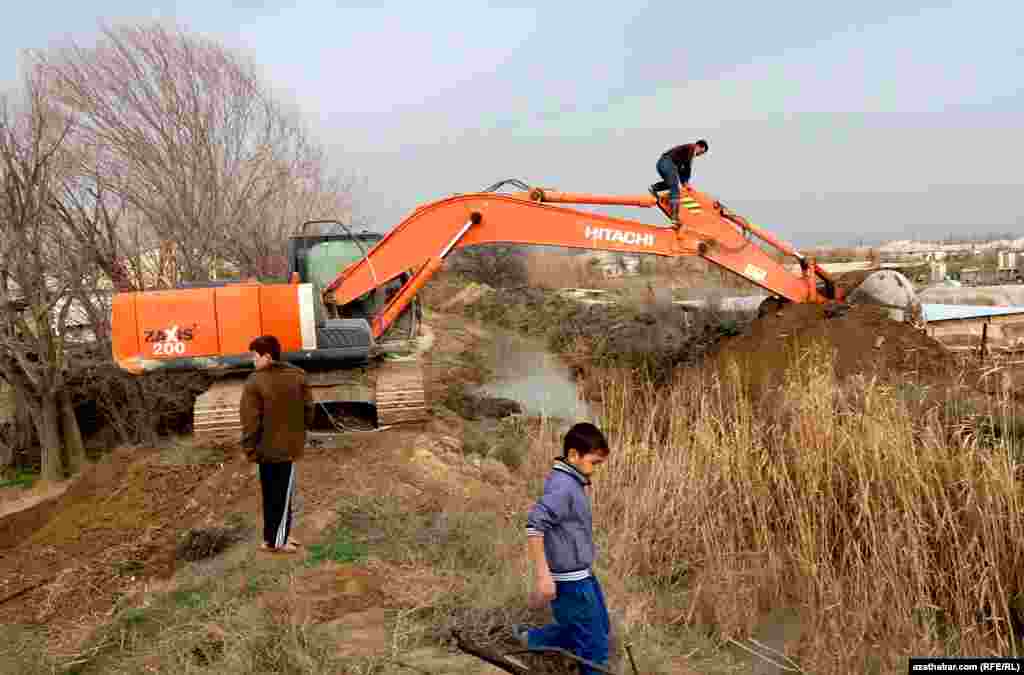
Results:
x,y
862,339
118,521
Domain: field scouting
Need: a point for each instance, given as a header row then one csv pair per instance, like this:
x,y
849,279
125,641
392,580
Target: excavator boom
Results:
x,y
538,217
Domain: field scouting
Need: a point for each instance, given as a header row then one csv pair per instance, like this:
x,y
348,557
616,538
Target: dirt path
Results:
x,y
67,556
18,498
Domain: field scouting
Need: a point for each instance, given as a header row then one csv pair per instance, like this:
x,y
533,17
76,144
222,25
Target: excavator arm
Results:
x,y
538,217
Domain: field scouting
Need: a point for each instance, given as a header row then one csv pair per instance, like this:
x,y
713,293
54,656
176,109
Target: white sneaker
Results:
x,y
520,631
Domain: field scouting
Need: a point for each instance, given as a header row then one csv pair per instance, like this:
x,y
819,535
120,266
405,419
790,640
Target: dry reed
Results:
x,y
895,530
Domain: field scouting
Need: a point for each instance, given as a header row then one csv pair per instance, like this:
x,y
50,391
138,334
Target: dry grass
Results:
x,y
895,530
233,614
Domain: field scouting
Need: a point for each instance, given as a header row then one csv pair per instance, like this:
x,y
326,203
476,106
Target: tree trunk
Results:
x,y
23,422
47,419
6,456
72,435
10,409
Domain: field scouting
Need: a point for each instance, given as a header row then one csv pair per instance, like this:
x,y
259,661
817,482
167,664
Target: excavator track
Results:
x,y
394,387
215,415
400,396
400,393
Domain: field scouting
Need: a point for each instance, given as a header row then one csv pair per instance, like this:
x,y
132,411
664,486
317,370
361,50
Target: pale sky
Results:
x,y
827,122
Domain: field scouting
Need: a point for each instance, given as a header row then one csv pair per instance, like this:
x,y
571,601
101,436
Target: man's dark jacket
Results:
x,y
276,408
682,156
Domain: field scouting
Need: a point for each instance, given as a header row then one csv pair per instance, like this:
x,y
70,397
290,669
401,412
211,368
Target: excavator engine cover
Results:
x,y
211,328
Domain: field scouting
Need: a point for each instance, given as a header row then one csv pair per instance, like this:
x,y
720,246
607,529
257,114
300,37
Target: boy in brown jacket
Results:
x,y
276,408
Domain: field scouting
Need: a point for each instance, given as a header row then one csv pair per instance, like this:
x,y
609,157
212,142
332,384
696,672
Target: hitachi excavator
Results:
x,y
349,312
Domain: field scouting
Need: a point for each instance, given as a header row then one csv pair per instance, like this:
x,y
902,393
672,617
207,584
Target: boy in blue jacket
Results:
x,y
560,541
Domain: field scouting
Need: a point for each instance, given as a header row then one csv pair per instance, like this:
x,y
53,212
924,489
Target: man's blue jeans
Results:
x,y
670,174
581,622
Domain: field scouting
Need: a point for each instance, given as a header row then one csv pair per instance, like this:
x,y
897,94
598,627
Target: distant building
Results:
x,y
975,276
969,275
1008,267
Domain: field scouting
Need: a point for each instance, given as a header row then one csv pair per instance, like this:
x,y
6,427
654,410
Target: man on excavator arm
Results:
x,y
675,166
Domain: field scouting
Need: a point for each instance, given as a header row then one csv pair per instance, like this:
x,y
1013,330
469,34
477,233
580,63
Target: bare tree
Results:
x,y
191,141
142,161
34,278
313,192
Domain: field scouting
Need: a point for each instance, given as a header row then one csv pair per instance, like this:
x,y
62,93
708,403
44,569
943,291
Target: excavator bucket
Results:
x,y
888,289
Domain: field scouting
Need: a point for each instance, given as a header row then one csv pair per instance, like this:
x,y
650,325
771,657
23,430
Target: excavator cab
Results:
x,y
320,249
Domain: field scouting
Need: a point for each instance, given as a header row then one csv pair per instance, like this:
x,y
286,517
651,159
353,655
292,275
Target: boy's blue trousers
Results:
x,y
581,622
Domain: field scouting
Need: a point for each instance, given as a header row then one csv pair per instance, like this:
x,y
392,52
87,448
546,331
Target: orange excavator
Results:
x,y
349,313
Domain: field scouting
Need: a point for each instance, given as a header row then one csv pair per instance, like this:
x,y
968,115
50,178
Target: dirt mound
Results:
x,y
862,338
117,523
848,281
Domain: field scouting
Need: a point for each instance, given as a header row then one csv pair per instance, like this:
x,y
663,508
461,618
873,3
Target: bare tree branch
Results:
x,y
190,140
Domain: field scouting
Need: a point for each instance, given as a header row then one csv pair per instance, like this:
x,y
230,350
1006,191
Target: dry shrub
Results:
x,y
848,499
134,409
207,542
496,265
701,274
441,288
558,270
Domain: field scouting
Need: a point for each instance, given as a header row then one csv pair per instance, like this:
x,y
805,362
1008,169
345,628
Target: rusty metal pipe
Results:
x,y
556,197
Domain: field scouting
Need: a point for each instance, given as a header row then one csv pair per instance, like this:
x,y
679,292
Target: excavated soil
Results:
x,y
862,339
117,523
